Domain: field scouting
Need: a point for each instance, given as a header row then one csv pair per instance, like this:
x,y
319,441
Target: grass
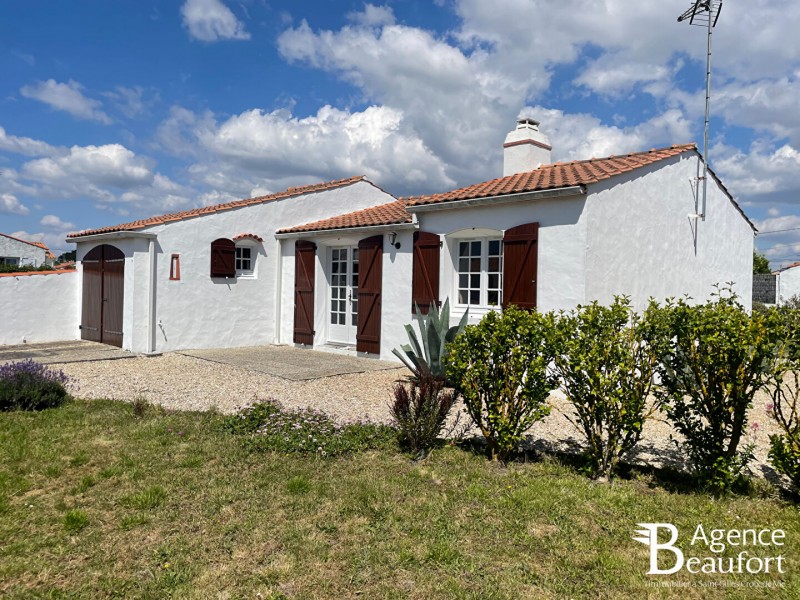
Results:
x,y
96,502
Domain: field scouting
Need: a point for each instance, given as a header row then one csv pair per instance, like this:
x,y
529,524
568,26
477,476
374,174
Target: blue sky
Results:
x,y
112,111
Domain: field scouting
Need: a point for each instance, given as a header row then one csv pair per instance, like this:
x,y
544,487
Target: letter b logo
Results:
x,y
650,538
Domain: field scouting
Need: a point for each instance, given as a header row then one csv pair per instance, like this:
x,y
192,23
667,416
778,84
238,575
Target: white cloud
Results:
x,y
25,145
264,150
373,16
10,205
55,222
211,20
130,101
764,174
67,97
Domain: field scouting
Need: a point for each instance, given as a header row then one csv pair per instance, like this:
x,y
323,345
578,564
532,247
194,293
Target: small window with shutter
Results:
x,y
223,258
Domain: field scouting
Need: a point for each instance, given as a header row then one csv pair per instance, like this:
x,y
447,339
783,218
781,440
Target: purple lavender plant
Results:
x,y
29,385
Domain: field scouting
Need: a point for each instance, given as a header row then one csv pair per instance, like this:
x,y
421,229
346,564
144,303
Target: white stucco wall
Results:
x,y
560,277
788,284
40,307
27,254
201,312
641,239
561,251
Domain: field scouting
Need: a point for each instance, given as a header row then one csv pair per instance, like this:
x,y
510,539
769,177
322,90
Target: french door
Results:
x,y
343,305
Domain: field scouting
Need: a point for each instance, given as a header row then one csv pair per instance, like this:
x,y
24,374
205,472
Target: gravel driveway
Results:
x,y
181,382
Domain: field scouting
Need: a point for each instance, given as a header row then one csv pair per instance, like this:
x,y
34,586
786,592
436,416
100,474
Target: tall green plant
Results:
x,y
426,358
714,358
500,367
606,372
784,453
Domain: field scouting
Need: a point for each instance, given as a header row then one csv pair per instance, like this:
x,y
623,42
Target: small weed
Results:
x,y
298,485
53,471
192,462
75,520
86,483
80,459
112,471
140,407
128,522
145,500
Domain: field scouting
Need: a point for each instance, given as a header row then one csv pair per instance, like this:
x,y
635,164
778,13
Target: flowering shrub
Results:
x,y
28,385
420,410
268,427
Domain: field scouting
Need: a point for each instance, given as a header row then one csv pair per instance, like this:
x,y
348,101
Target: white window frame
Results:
x,y
483,305
251,272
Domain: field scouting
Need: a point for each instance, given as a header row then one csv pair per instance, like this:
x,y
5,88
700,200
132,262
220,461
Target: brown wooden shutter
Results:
x,y
304,261
425,273
370,281
223,258
520,253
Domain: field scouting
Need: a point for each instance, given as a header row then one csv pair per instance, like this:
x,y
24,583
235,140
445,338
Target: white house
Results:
x,y
20,253
342,264
787,283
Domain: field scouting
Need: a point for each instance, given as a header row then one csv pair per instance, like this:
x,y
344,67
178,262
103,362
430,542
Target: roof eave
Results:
x,y
573,190
340,230
112,235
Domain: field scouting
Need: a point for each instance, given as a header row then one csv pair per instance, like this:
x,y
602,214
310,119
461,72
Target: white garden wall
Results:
x,y
39,307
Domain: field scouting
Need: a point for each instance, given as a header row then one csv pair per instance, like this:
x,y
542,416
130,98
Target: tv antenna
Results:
x,y
704,13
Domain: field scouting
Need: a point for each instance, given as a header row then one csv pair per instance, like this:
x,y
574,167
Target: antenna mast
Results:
x,y
704,13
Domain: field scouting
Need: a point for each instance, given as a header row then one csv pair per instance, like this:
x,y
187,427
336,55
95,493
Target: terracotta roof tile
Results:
x,y
31,273
391,213
554,176
248,236
196,212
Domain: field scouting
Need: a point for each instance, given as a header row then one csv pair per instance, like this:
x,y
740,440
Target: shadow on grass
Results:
x,y
671,472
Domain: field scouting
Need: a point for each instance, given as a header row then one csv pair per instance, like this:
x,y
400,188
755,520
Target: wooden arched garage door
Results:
x,y
103,287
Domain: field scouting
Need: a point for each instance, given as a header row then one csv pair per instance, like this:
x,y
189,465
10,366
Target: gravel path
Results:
x,y
182,382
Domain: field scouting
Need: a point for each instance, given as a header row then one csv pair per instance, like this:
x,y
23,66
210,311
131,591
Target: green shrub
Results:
x,y
428,358
420,411
268,427
500,367
784,453
28,385
606,372
714,358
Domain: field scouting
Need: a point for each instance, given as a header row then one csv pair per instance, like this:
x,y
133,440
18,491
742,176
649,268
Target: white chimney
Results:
x,y
526,148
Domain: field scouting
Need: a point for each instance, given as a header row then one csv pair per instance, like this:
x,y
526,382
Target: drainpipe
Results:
x,y
151,307
278,291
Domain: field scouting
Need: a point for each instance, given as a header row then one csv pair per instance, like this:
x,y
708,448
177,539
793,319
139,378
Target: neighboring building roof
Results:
x,y
557,175
197,212
787,267
391,213
37,244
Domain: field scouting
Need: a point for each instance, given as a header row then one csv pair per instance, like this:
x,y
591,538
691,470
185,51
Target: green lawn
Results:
x,y
95,502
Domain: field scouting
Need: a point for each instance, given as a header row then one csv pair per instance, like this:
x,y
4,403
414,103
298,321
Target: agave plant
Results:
x,y
435,332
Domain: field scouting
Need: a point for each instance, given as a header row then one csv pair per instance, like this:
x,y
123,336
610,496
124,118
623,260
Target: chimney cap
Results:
x,y
527,121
